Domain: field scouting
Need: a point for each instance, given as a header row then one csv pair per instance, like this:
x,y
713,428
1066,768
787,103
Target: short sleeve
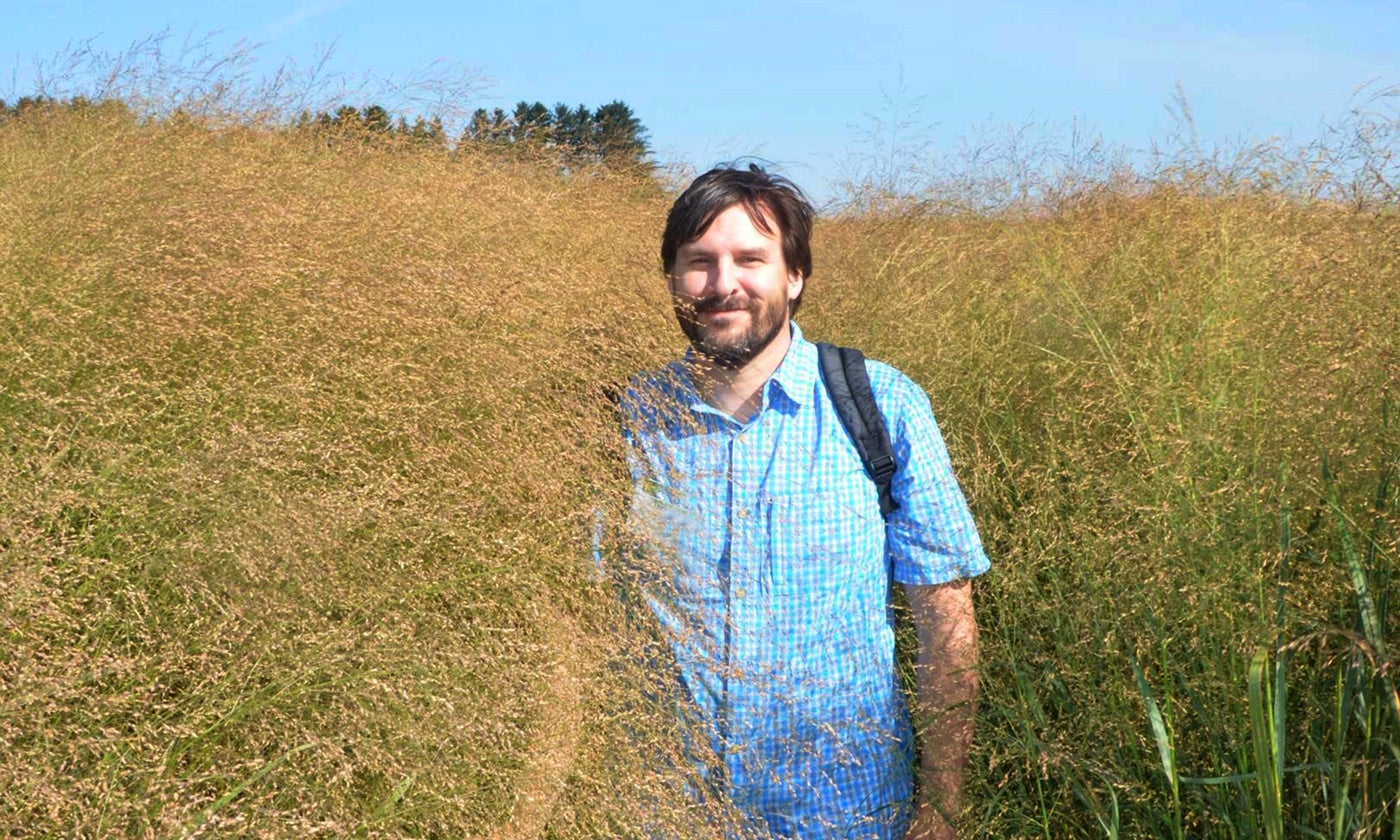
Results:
x,y
931,538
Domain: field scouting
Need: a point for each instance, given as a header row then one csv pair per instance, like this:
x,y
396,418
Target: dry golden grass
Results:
x,y
298,449
300,445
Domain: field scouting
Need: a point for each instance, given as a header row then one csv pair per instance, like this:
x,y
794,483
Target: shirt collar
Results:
x,y
797,374
795,377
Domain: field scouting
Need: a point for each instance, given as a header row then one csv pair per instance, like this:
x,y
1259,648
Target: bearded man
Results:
x,y
778,565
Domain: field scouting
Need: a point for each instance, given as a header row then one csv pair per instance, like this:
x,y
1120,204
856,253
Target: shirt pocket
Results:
x,y
824,544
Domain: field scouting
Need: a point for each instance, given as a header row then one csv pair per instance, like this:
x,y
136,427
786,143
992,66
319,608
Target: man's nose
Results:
x,y
724,279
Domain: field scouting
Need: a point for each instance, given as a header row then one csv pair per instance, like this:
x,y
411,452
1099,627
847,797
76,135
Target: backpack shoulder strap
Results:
x,y
848,383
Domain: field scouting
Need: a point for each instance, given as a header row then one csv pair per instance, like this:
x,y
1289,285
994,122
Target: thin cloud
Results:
x,y
301,14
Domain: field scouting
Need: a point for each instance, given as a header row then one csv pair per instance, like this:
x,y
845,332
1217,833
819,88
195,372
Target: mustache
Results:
x,y
729,303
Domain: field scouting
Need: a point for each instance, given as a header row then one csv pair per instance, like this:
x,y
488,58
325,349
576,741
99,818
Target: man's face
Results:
x,y
731,288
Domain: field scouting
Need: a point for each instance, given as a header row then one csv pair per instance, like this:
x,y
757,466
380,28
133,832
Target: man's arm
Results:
x,y
947,708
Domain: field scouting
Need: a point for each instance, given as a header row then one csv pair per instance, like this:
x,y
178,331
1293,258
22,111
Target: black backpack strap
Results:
x,y
848,383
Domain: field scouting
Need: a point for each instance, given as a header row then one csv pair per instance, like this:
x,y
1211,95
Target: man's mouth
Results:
x,y
717,307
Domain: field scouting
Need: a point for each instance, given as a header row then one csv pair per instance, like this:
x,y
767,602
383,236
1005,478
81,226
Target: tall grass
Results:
x,y
1139,378
300,445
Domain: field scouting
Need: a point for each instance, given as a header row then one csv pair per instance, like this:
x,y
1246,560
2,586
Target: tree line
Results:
x,y
610,135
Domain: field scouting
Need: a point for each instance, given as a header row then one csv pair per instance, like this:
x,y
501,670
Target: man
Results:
x,y
776,565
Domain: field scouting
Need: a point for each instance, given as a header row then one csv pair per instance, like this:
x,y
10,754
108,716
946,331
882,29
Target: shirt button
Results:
x,y
739,593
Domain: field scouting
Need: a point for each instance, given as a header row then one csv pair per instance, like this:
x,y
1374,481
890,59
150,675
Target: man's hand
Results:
x,y
946,713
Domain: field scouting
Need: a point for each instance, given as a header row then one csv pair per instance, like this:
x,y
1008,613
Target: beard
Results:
x,y
733,346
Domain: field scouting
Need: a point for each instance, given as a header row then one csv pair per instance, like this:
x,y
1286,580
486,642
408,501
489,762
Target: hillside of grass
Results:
x,y
302,439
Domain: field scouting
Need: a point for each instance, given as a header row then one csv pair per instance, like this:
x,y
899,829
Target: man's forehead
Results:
x,y
765,227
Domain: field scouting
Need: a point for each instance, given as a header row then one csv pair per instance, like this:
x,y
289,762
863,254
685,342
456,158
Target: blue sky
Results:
x,y
817,87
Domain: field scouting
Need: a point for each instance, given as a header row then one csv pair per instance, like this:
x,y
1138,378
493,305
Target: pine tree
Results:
x,y
375,118
618,136
347,116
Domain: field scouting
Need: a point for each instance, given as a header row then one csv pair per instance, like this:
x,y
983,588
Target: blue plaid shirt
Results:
x,y
773,585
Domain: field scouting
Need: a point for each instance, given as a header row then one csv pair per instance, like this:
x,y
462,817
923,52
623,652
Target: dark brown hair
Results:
x,y
764,196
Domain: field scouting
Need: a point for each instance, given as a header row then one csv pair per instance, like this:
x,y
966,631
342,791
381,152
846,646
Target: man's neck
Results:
x,y
738,392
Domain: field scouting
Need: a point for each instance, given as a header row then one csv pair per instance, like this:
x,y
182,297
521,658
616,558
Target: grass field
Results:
x,y
300,444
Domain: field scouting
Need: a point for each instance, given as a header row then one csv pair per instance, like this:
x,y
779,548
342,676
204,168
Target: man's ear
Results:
x,y
794,284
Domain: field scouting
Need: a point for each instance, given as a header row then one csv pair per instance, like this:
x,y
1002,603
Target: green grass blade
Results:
x,y
1266,762
1280,696
1370,621
394,796
1341,770
1159,727
1166,748
233,793
1110,822
1360,581
1395,813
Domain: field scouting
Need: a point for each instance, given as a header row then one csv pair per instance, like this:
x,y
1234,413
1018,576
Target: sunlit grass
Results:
x,y
300,445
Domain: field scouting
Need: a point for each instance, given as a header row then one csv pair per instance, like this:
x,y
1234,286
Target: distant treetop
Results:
x,y
610,135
